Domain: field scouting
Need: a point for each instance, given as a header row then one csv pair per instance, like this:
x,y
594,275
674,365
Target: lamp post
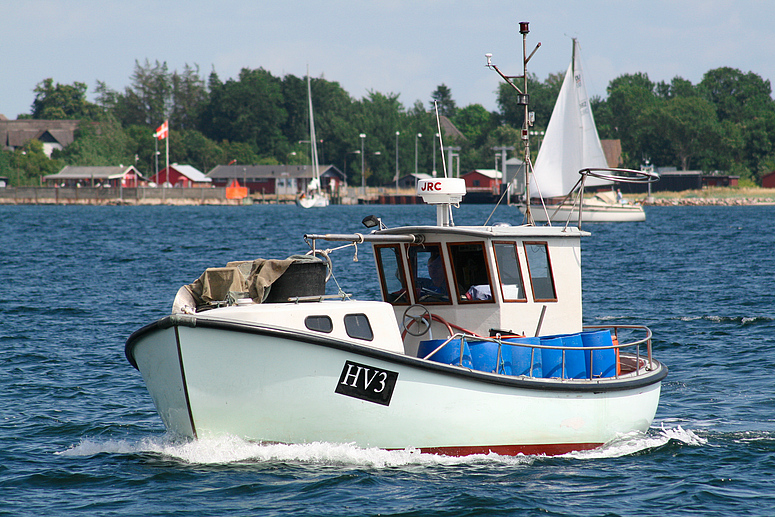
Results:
x,y
419,135
397,133
363,163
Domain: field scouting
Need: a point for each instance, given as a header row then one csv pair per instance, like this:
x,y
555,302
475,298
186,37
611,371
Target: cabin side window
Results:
x,y
509,272
391,274
358,326
429,275
472,276
540,269
319,323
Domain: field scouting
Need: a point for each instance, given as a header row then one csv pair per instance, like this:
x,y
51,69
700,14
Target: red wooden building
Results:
x,y
182,176
482,180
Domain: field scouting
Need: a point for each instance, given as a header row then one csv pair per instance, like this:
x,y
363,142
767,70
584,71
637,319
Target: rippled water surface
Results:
x,y
79,433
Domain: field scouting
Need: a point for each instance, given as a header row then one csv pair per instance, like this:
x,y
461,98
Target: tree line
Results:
x,y
726,122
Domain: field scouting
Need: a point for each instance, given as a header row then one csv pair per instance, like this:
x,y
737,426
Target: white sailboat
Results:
x,y
312,196
571,144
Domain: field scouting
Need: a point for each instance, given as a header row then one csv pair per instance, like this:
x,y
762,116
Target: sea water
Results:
x,y
79,434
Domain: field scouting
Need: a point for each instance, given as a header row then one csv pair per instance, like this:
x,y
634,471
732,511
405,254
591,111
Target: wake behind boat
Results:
x,y
571,143
477,345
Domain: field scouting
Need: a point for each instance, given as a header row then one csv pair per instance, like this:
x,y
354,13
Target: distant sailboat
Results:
x,y
571,143
312,196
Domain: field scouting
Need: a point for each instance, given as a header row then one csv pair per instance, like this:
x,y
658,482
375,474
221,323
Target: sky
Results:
x,y
404,47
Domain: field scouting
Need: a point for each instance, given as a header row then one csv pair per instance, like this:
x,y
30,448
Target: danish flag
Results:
x,y
162,131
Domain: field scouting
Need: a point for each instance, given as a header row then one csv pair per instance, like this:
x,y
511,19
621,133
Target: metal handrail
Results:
x,y
499,339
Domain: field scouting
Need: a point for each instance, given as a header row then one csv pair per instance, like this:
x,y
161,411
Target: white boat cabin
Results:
x,y
484,280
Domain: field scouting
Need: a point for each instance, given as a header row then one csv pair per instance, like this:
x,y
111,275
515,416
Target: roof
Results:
x,y
77,173
449,129
490,173
189,172
613,152
16,133
271,171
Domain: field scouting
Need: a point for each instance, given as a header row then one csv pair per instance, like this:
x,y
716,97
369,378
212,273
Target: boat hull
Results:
x,y
275,385
592,214
312,201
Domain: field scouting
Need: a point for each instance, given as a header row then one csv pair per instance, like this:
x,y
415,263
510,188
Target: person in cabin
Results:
x,y
433,287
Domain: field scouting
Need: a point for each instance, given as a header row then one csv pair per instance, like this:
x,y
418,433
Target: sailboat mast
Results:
x,y
312,138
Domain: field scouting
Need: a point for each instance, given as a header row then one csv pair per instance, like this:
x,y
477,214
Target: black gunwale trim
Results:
x,y
487,378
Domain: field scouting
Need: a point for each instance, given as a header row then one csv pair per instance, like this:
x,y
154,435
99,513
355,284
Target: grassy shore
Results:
x,y
710,196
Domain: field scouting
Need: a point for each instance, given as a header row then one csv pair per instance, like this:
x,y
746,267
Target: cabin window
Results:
x,y
429,275
357,326
319,323
509,272
540,268
469,268
391,274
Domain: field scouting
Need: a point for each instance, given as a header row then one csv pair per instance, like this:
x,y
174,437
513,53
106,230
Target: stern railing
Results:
x,y
640,366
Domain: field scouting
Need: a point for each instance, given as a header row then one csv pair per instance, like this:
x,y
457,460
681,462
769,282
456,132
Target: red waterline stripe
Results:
x,y
551,449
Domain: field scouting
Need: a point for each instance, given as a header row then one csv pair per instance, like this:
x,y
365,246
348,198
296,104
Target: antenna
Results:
x,y
441,141
523,99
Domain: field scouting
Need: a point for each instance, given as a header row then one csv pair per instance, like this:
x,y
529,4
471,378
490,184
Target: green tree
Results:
x,y
102,143
26,165
62,102
191,147
475,122
378,116
238,152
189,97
688,126
628,97
744,101
249,109
147,101
543,96
442,97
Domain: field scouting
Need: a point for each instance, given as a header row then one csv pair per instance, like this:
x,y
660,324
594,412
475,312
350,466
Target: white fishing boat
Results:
x,y
477,345
312,196
571,144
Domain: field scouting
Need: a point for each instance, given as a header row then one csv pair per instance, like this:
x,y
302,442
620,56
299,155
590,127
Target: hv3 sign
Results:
x,y
366,383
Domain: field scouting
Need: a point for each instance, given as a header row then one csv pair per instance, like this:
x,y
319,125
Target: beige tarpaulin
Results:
x,y
242,279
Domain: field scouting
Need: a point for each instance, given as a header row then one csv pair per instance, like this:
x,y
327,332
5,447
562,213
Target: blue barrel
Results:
x,y
523,357
551,359
603,362
449,354
488,356
576,361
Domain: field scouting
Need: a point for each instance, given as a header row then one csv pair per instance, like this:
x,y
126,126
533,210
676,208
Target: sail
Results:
x,y
571,142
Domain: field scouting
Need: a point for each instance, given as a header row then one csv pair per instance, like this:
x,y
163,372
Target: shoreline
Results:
x,y
717,196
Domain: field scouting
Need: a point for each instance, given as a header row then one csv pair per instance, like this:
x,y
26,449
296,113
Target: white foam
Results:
x,y
632,443
230,449
226,450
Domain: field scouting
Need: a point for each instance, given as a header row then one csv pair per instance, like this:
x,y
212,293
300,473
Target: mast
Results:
x,y
312,138
523,99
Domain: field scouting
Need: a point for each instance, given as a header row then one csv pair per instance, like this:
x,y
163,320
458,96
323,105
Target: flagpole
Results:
x,y
167,123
